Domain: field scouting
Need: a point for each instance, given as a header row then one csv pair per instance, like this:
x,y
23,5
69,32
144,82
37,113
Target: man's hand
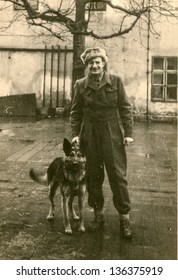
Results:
x,y
75,139
128,141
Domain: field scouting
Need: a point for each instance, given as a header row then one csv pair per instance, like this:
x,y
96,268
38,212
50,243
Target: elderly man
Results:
x,y
100,113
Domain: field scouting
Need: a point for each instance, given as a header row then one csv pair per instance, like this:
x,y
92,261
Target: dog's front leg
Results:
x,y
71,208
52,191
65,208
81,203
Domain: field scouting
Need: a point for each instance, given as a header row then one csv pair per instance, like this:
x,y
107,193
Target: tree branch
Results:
x,y
135,9
115,34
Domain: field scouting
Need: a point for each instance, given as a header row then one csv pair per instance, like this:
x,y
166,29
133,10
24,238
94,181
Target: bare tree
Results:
x,y
63,15
71,16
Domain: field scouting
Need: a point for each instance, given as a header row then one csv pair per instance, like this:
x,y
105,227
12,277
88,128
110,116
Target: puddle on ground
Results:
x,y
146,155
7,132
167,164
27,141
5,180
149,155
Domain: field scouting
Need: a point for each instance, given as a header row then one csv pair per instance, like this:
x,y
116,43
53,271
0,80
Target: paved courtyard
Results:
x,y
26,234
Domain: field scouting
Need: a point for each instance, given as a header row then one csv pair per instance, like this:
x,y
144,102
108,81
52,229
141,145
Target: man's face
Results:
x,y
95,66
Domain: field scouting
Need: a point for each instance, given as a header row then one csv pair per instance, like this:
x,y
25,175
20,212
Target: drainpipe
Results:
x,y
44,77
51,78
64,85
147,72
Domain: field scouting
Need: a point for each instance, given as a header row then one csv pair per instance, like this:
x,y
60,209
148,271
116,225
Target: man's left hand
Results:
x,y
128,141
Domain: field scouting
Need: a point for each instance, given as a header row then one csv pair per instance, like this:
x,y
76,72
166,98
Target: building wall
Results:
x,y
165,45
128,58
22,35
23,72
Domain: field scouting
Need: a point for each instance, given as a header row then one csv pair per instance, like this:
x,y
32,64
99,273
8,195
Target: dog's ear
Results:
x,y
67,146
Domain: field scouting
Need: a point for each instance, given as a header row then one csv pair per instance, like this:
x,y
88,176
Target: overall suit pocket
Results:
x,y
88,97
111,95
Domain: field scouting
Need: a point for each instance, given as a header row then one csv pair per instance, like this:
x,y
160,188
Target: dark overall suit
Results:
x,y
98,115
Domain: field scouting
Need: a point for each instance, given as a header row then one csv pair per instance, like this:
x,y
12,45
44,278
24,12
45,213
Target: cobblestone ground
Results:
x,y
26,234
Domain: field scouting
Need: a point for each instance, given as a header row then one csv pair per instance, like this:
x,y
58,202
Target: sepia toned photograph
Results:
x,y
88,130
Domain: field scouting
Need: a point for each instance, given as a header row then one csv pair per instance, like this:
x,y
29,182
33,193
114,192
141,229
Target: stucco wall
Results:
x,y
23,72
128,59
22,35
165,45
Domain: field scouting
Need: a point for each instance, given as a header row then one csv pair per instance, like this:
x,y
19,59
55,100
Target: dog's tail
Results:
x,y
40,178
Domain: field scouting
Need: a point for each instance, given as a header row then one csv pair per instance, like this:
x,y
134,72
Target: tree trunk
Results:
x,y
78,43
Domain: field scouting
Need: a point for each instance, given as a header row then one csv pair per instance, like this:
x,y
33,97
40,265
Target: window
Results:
x,y
96,6
164,79
33,3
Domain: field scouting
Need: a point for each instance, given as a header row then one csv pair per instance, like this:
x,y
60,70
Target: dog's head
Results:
x,y
74,156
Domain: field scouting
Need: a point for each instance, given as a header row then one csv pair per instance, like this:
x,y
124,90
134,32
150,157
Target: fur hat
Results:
x,y
91,53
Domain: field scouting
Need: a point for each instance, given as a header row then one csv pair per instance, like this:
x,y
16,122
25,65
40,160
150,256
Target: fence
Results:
x,y
57,79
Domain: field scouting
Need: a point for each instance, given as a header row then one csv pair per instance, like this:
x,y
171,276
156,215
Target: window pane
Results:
x,y
158,63
96,6
172,93
172,79
157,92
172,63
158,79
33,3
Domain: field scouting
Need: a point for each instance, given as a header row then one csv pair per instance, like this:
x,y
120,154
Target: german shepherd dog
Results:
x,y
68,173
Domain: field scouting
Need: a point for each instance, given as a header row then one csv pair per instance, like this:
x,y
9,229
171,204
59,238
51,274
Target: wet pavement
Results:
x,y
26,234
